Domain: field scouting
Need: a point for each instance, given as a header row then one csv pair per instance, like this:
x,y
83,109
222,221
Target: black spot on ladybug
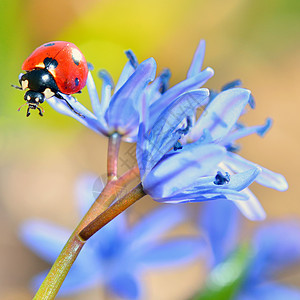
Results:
x,y
76,81
49,44
76,60
50,63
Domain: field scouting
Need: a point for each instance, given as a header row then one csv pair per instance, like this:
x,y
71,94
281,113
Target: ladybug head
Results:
x,y
33,100
40,84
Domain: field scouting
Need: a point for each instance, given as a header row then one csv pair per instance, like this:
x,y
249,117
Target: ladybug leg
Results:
x,y
40,111
28,111
71,107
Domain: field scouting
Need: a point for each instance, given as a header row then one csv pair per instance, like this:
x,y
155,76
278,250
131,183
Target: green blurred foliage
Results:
x,y
225,280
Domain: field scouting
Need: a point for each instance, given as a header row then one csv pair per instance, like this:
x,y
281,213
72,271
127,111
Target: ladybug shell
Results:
x,y
64,61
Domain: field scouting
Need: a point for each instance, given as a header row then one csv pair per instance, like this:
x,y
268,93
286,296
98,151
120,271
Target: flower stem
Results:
x,y
65,260
113,211
60,269
112,156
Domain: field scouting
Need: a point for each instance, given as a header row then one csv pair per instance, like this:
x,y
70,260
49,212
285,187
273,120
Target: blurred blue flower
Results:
x,y
275,246
118,254
132,96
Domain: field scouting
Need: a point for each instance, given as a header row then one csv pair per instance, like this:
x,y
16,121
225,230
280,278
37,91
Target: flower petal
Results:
x,y
189,84
240,133
98,108
197,62
252,208
152,226
126,285
267,178
128,70
270,291
123,112
221,114
220,222
171,253
44,238
180,170
277,246
87,118
163,135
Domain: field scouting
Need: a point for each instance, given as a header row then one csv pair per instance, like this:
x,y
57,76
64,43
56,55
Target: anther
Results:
x,y
132,58
221,179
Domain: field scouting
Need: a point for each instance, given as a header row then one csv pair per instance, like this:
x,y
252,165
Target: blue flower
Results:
x,y
117,112
132,96
118,254
275,246
205,158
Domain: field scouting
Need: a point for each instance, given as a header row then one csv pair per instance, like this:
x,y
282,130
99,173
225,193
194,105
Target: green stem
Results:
x,y
60,269
113,211
112,156
62,265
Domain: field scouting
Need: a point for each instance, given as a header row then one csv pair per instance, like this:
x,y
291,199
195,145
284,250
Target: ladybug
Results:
x,y
53,69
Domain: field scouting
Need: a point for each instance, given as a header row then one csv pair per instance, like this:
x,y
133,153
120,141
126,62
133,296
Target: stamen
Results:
x,y
251,102
132,58
177,146
165,78
185,130
105,76
221,179
233,148
261,132
90,66
231,85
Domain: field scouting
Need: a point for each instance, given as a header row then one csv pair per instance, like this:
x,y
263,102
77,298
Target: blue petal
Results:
x,y
171,253
221,114
152,226
87,118
126,73
163,136
270,291
98,107
220,222
240,133
189,84
200,197
126,285
217,194
179,171
197,62
237,182
251,208
45,239
277,246
266,178
123,112
88,188
107,86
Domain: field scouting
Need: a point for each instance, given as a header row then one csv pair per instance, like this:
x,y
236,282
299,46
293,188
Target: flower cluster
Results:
x,y
180,159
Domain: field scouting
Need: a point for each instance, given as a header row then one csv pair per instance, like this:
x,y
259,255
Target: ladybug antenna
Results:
x,y
16,87
22,106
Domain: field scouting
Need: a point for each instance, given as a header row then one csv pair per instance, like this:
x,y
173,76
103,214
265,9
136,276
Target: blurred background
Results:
x,y
41,158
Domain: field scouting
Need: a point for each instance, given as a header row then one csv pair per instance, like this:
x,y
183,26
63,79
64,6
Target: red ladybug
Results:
x,y
52,69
